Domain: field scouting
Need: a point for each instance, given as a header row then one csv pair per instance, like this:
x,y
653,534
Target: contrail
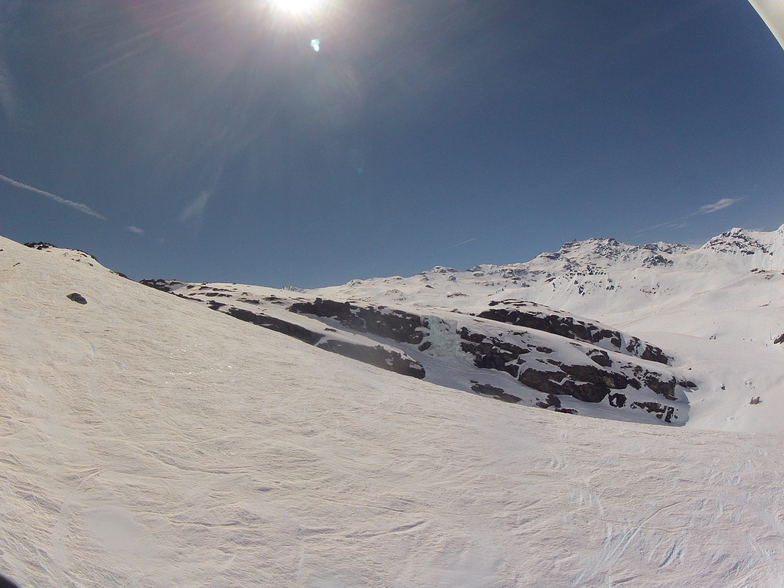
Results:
x,y
461,243
80,207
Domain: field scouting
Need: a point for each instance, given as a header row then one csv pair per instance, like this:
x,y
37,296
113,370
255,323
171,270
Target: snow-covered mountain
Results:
x,y
676,335
147,440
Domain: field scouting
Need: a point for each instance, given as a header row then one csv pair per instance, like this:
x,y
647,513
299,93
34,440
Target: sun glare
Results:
x,y
297,6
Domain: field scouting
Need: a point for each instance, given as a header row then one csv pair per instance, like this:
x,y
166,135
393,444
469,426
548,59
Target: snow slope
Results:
x,y
718,309
148,441
506,352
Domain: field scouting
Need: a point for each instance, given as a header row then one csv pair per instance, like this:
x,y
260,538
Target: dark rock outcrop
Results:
x,y
492,353
551,400
377,356
618,399
275,324
664,388
662,412
40,246
495,392
600,357
524,314
779,340
76,297
591,384
399,326
556,382
162,285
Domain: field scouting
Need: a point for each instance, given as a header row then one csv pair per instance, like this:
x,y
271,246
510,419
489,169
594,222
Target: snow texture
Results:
x,y
148,441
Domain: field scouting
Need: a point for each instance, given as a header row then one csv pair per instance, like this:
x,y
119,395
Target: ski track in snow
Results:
x,y
148,441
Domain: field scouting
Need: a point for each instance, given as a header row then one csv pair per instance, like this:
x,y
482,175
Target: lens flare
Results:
x,y
297,7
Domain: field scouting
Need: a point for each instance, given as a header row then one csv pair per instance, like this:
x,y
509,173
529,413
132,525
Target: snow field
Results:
x,y
148,441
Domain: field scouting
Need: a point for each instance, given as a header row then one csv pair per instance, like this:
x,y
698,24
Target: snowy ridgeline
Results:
x,y
149,441
693,335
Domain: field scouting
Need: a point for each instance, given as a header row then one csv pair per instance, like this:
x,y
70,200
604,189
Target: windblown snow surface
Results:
x,y
148,441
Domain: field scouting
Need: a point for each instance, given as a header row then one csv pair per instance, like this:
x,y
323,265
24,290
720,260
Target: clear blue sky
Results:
x,y
214,144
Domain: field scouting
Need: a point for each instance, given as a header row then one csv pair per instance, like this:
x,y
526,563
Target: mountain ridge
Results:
x,y
628,288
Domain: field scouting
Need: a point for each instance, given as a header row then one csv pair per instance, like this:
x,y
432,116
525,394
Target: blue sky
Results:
x,y
206,140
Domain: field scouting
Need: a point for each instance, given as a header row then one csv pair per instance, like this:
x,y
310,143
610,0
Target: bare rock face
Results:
x,y
378,356
601,358
40,246
534,316
738,242
162,285
617,400
551,400
555,383
494,391
392,324
779,340
76,297
492,353
275,324
662,412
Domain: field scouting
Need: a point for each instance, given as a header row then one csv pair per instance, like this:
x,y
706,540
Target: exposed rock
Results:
x,y
275,324
397,325
559,383
661,387
249,301
618,399
162,285
532,316
779,340
589,373
491,352
737,241
76,297
667,413
600,357
495,392
40,246
378,356
656,261
551,400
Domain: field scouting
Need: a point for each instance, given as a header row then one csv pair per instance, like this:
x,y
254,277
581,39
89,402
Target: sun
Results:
x,y
297,7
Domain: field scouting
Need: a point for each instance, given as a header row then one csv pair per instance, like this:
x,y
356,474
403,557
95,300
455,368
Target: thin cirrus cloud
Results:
x,y
135,230
75,205
195,210
704,209
721,204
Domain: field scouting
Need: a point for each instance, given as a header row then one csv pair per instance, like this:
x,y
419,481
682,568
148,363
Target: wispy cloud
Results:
x,y
723,203
680,223
7,93
195,209
76,205
135,230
